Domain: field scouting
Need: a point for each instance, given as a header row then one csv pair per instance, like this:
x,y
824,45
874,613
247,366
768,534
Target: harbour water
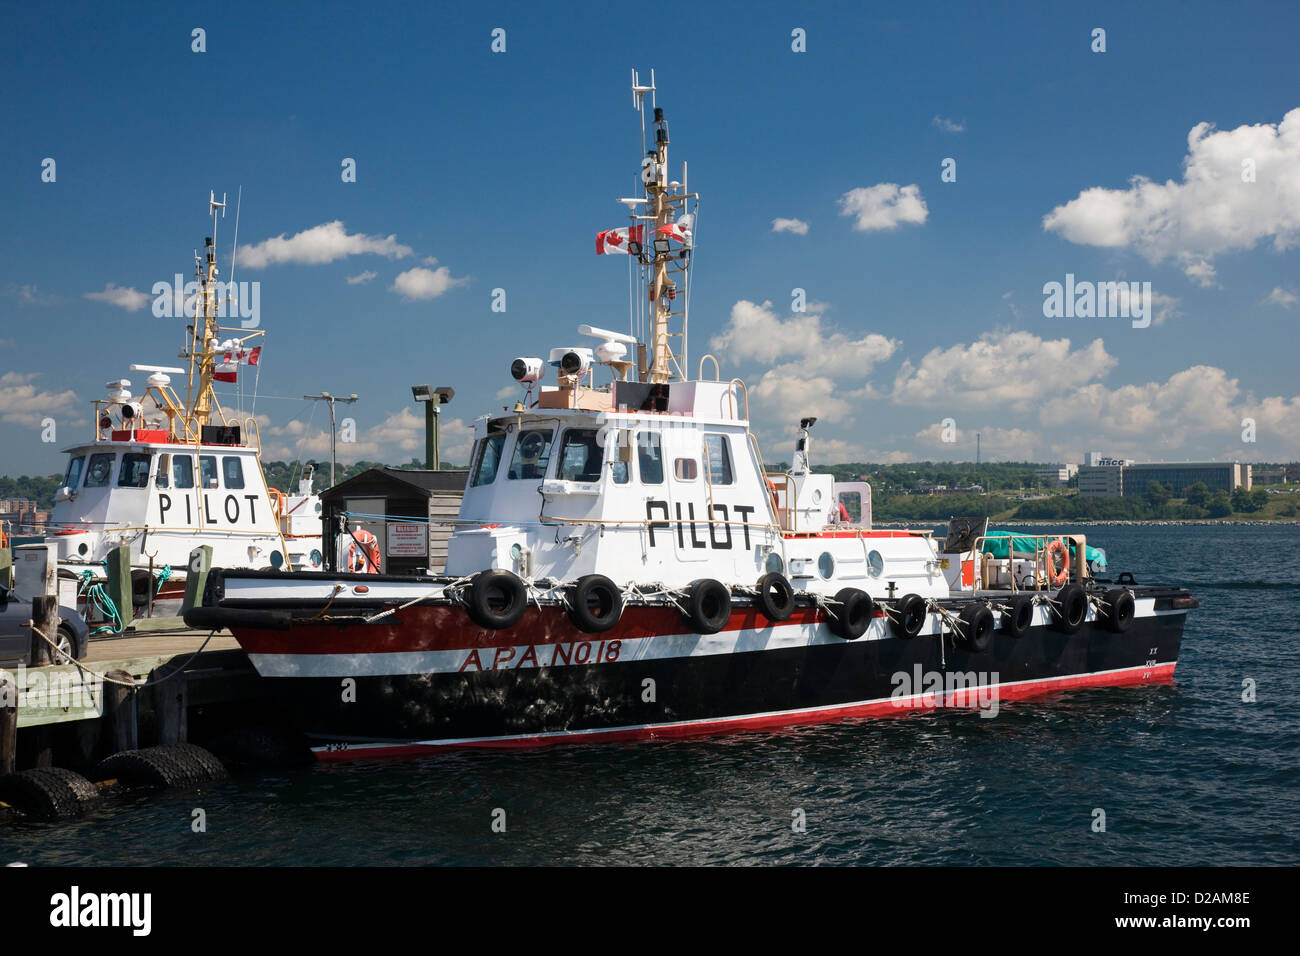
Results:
x,y
1185,774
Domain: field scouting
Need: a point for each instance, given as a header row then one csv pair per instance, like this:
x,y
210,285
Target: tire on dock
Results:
x,y
162,767
49,793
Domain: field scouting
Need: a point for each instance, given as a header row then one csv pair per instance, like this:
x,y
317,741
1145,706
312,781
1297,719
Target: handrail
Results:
x,y
731,402
787,515
717,370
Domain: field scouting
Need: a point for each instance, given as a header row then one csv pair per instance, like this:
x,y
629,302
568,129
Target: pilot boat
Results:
x,y
165,473
624,567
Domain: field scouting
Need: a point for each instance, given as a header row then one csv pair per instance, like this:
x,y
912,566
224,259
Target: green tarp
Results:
x,y
999,543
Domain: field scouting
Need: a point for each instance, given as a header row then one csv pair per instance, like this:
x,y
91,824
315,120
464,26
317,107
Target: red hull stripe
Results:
x,y
444,628
1020,690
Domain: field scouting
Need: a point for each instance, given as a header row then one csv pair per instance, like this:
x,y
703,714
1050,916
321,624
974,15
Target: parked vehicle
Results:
x,y
16,639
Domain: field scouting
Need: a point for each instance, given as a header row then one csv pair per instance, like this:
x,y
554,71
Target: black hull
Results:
x,y
394,714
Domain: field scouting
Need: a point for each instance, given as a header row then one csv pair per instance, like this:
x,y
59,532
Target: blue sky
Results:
x,y
503,166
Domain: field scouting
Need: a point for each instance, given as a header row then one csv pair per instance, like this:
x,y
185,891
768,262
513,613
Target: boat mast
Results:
x,y
665,264
202,354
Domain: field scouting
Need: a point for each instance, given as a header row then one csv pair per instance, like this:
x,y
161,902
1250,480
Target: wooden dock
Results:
x,y
133,690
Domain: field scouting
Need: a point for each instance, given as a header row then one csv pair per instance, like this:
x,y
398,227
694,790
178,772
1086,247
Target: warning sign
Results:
x,y
407,539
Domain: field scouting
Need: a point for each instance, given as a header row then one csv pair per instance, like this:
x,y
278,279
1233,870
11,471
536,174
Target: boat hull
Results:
x,y
424,679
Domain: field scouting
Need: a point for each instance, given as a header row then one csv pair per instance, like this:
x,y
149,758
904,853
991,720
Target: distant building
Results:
x,y
1101,481
21,516
1130,480
1179,476
1057,474
1268,476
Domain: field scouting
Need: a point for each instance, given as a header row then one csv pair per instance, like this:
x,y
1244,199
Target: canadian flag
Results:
x,y
679,230
616,240
227,369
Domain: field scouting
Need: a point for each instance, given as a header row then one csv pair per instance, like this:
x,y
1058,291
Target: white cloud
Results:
x,y
395,439
421,283
361,277
1280,296
797,226
995,443
1211,211
884,206
22,403
812,370
123,298
1006,369
947,125
1161,414
318,245
799,341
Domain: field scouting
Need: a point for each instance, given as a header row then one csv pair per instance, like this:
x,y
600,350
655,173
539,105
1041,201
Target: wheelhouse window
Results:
x,y
100,470
580,456
686,469
134,472
718,455
532,454
232,469
650,458
183,471
73,476
164,479
487,457
208,471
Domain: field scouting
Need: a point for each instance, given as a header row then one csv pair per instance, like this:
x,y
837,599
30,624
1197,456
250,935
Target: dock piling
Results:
x,y
196,576
8,724
170,705
123,730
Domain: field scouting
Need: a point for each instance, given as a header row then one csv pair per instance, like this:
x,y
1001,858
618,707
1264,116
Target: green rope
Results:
x,y
97,597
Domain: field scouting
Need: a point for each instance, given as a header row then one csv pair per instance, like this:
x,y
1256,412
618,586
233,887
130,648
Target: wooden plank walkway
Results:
x,y
60,693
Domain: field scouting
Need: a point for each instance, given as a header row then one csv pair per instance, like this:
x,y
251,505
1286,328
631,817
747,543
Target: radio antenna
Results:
x,y
235,249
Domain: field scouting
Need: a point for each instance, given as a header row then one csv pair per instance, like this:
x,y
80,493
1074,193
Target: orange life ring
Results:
x,y
362,556
278,502
1054,577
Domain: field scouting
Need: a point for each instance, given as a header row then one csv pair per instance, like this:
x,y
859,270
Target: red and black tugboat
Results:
x,y
624,567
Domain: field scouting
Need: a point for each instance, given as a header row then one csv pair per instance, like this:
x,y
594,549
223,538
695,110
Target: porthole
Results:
x,y
826,565
277,560
875,564
774,564
83,549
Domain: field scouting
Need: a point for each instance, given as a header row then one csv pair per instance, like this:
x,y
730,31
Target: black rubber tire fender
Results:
x,y
1018,618
909,616
708,606
49,793
497,599
161,767
775,597
595,603
1119,609
853,616
978,625
1070,608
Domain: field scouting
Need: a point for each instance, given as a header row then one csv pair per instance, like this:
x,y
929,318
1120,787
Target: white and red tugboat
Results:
x,y
623,567
165,473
